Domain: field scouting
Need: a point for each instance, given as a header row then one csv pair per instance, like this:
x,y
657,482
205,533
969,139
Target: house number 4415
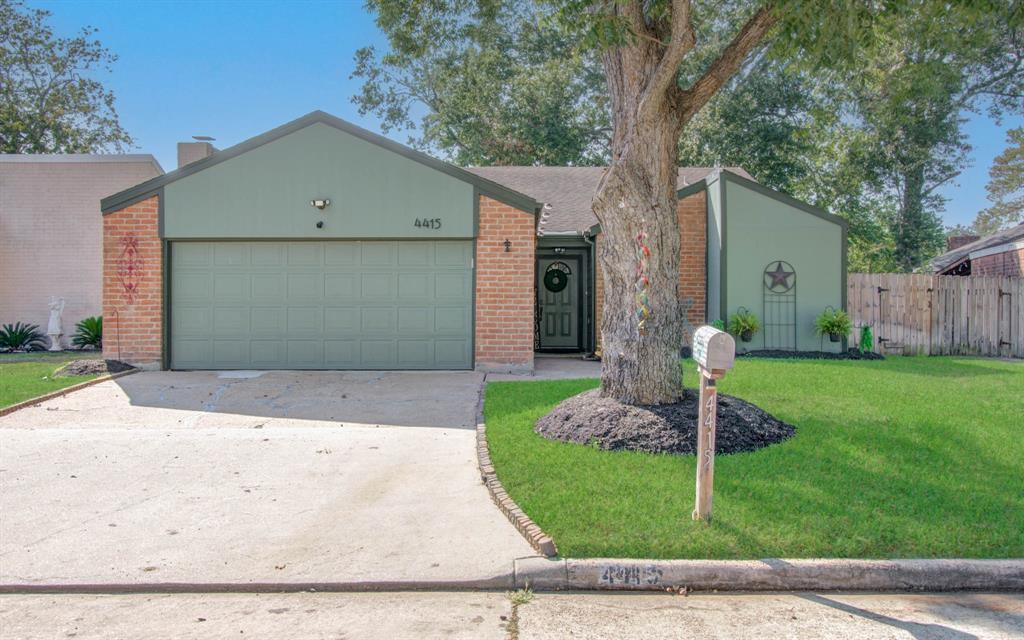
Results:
x,y
428,223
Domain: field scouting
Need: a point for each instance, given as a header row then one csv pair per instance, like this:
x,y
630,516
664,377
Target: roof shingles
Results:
x,y
567,191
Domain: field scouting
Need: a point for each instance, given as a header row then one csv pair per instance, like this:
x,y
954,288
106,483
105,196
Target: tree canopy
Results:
x,y
1005,188
485,82
49,101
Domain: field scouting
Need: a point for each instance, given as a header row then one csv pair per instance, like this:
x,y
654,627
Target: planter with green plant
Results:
x,y
89,333
833,322
744,324
21,337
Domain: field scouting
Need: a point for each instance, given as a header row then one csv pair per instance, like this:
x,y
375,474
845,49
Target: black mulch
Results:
x,y
851,354
608,424
92,367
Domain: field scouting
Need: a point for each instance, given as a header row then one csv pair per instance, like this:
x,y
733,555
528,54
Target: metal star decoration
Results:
x,y
780,277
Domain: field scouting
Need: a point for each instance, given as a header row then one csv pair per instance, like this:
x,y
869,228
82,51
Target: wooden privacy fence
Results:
x,y
938,315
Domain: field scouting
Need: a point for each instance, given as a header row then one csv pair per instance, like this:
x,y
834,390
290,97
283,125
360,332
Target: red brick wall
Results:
x,y
505,296
1008,263
133,284
693,222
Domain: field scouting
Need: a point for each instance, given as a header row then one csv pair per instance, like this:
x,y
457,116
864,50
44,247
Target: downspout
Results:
x,y
592,289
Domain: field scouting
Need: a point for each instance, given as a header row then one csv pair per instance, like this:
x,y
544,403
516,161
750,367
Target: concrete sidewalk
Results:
x,y
491,616
195,478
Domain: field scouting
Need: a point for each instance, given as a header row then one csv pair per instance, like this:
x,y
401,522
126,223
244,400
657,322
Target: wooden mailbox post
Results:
x,y
714,352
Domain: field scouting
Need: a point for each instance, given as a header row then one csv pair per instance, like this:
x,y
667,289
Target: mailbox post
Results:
x,y
714,351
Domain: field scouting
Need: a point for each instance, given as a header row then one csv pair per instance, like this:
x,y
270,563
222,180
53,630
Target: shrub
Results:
x,y
21,337
718,324
744,324
833,323
867,342
89,333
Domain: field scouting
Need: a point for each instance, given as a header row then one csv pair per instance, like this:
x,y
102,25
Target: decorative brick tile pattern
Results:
x,y
1008,263
693,222
133,285
539,540
505,296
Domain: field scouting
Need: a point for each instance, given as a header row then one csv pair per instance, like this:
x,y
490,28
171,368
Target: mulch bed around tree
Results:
x,y
851,354
91,367
608,424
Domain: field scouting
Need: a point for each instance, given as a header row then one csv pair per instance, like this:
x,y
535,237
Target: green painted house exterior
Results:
x,y
751,229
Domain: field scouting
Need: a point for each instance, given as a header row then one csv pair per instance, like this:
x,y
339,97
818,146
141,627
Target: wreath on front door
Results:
x,y
556,276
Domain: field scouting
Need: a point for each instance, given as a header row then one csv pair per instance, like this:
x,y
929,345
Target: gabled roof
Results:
x,y
952,258
487,187
568,191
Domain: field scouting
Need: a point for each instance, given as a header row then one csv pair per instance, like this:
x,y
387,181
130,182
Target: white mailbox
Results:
x,y
713,350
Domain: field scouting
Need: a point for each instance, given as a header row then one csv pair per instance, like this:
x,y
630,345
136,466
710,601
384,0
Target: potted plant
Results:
x,y
744,324
835,323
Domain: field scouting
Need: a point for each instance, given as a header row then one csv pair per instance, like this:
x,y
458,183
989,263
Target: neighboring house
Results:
x,y
1000,254
51,231
320,245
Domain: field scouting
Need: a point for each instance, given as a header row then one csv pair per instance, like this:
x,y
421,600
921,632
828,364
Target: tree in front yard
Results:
x,y
664,60
49,103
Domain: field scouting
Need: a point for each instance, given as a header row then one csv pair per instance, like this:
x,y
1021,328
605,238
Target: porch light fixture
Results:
x,y
320,204
508,245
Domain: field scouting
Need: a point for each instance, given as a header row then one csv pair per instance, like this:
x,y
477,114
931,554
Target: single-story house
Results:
x,y
320,245
1000,254
51,231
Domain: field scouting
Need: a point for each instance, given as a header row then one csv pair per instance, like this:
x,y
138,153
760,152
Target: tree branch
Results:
x,y
681,41
730,60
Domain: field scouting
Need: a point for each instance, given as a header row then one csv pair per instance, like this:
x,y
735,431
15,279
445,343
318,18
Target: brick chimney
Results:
x,y
955,242
189,152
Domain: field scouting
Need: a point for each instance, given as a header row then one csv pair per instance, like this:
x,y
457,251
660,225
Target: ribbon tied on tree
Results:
x,y
643,281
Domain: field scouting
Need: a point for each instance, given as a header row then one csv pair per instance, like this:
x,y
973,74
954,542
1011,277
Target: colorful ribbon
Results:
x,y
643,256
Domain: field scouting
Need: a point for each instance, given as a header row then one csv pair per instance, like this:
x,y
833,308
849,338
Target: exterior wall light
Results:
x,y
320,204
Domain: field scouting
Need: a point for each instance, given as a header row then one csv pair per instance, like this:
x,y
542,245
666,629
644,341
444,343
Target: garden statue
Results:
x,y
53,329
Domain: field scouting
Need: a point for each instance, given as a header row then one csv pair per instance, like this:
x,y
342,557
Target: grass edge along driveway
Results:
x,y
902,458
23,378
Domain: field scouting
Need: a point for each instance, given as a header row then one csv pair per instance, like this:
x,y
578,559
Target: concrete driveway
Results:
x,y
249,477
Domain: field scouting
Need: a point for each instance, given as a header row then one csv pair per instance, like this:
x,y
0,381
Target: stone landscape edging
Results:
x,y
543,574
63,392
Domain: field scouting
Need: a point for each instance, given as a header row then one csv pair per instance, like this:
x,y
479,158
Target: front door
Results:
x,y
558,301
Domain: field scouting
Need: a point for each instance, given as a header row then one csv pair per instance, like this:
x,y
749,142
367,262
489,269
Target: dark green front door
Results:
x,y
558,301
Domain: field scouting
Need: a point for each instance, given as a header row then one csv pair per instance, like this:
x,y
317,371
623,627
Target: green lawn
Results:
x,y
27,375
907,457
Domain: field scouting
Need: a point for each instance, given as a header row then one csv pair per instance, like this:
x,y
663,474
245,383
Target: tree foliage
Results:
x,y
484,82
1005,188
49,101
909,96
759,121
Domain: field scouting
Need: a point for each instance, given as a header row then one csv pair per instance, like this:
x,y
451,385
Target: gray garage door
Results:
x,y
321,305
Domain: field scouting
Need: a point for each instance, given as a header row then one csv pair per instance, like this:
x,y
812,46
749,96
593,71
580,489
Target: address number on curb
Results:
x,y
427,223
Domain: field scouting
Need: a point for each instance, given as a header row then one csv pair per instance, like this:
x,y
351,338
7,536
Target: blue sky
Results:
x,y
233,70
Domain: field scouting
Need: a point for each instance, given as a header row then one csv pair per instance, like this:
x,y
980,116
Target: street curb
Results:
x,y
539,540
543,574
503,582
63,392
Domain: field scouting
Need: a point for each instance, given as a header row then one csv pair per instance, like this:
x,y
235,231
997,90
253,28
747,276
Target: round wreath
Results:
x,y
555,280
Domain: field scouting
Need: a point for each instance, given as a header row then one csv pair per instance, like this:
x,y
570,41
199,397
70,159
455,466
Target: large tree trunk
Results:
x,y
638,196
911,226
